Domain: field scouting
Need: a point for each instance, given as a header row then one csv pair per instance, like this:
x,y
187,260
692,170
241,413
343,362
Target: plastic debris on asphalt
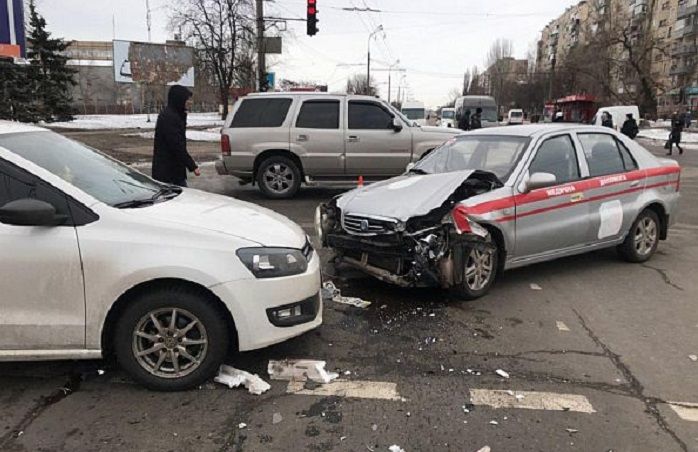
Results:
x,y
276,418
494,423
501,373
242,425
571,430
396,448
233,378
536,287
300,370
331,292
485,449
693,358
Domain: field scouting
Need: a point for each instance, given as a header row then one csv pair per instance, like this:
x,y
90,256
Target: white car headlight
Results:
x,y
273,262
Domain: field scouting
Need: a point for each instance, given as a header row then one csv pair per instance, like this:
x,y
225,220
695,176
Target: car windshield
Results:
x,y
447,114
516,114
497,154
99,176
414,113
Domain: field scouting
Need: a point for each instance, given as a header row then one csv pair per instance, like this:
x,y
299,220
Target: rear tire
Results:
x,y
279,177
171,356
480,268
643,239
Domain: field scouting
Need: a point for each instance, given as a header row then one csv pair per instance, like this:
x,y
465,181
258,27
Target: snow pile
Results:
x,y
99,122
663,135
211,135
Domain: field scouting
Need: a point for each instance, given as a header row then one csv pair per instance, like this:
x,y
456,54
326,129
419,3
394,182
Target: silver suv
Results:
x,y
279,140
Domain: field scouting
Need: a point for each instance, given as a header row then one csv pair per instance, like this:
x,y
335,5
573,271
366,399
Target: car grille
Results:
x,y
360,225
307,250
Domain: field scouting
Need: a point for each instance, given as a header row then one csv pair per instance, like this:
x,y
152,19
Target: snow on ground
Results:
x,y
663,135
99,122
213,135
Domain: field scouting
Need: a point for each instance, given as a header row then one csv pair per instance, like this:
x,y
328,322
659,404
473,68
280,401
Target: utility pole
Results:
x,y
261,63
148,19
368,62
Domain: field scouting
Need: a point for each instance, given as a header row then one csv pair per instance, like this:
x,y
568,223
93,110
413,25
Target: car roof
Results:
x,y
18,127
536,130
312,93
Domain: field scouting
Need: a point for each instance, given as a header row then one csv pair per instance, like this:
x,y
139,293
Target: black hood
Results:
x,y
177,99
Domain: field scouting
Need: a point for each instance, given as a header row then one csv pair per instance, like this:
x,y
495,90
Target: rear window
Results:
x,y
319,114
604,155
261,113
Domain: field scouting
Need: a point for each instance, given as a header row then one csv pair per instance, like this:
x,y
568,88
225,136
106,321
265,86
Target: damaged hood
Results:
x,y
403,197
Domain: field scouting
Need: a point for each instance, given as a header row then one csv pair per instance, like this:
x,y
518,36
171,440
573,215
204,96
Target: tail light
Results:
x,y
460,219
225,144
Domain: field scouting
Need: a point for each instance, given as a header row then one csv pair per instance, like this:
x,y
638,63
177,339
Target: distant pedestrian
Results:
x,y
675,136
630,128
559,117
476,120
607,120
171,160
688,118
464,120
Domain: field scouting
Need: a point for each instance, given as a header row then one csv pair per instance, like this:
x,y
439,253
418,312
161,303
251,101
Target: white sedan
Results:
x,y
97,258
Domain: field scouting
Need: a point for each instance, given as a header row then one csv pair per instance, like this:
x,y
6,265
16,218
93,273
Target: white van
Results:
x,y
472,103
448,117
618,113
515,116
416,112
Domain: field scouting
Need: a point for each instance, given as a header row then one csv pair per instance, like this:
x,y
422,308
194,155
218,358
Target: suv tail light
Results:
x,y
460,220
225,144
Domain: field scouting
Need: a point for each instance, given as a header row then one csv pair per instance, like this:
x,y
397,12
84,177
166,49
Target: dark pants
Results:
x,y
181,183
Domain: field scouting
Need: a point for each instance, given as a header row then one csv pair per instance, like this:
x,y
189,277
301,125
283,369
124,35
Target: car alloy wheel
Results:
x,y
170,342
479,268
646,235
279,178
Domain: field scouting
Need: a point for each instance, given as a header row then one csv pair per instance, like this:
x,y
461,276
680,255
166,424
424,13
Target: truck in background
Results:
x,y
415,111
448,117
472,103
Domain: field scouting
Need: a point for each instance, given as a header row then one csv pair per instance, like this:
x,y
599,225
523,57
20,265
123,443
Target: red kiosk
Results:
x,y
579,108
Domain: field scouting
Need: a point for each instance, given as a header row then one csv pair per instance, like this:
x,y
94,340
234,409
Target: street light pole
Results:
x,y
261,63
368,62
390,73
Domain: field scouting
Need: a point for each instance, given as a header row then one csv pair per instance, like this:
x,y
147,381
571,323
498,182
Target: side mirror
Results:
x,y
409,167
30,212
540,180
397,125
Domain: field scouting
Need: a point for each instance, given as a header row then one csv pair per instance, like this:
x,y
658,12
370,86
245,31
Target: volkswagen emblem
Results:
x,y
364,225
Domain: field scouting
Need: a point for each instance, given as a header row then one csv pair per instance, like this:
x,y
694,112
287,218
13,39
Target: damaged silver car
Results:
x,y
503,198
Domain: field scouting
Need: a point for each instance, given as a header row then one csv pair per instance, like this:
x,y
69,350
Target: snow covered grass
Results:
x,y
213,135
106,122
663,135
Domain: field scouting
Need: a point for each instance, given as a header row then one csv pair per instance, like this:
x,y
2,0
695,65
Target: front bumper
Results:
x,y
251,301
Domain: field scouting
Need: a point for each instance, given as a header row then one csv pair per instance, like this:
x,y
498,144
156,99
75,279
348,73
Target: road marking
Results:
x,y
531,400
686,411
353,389
561,326
686,226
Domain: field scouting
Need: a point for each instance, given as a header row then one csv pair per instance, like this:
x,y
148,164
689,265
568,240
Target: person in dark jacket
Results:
x,y
607,120
171,160
630,128
675,137
476,120
464,120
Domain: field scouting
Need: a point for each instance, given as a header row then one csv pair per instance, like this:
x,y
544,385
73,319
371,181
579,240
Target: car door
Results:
x,y
552,219
373,146
615,186
42,302
317,136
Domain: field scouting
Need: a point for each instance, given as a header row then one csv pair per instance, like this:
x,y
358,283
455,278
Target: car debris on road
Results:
x,y
331,292
234,378
502,373
300,370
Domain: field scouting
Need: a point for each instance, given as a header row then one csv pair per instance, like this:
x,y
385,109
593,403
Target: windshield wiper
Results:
x,y
417,171
133,203
167,192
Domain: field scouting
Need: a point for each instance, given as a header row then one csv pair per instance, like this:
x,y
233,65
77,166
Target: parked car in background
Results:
x,y
618,113
472,103
99,259
501,198
415,111
448,117
515,116
279,140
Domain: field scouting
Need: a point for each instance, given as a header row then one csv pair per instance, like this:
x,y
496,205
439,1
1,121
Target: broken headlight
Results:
x,y
273,262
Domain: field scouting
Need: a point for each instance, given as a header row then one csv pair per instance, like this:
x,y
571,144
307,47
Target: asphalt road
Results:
x,y
594,358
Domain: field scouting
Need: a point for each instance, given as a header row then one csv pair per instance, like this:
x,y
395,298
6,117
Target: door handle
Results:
x,y
635,184
353,139
302,138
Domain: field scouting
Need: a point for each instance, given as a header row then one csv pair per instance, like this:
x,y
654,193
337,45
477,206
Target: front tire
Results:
x,y
171,339
480,267
279,177
643,239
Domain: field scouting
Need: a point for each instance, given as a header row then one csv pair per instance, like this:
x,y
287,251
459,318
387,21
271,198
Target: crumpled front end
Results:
x,y
427,250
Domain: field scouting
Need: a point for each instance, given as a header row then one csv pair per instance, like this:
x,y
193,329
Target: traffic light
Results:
x,y
312,17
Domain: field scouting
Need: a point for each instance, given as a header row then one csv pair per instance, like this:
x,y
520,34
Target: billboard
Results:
x,y
12,38
153,64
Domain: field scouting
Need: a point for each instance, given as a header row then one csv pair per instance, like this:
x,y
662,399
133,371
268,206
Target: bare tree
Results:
x,y
223,34
357,84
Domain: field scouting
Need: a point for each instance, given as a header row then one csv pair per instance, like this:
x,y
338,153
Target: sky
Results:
x,y
435,41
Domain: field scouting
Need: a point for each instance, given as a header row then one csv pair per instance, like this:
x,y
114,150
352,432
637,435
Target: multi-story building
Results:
x,y
684,55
